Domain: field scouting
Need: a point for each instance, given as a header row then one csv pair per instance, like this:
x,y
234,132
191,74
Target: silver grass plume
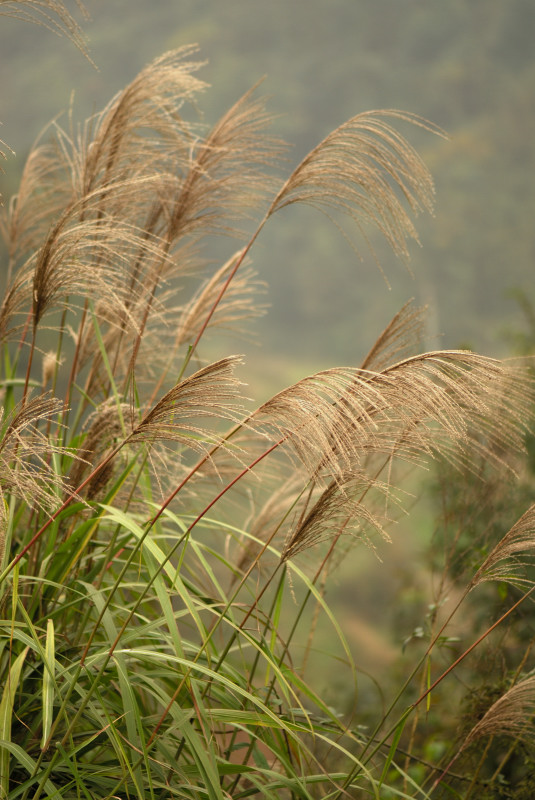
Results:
x,y
26,468
51,14
360,169
508,558
442,399
238,304
511,715
27,218
346,426
211,393
85,259
16,298
140,134
339,508
102,429
401,338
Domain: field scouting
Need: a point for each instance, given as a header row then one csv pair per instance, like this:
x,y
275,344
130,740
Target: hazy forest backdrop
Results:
x,y
467,65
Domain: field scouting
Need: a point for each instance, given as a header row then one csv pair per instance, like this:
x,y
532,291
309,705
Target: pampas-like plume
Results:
x,y
139,134
16,299
26,220
339,508
334,420
505,561
511,715
360,169
210,392
197,180
87,259
400,339
25,468
51,14
104,428
131,195
238,304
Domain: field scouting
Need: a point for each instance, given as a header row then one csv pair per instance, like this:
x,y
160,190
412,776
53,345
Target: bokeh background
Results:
x,y
466,65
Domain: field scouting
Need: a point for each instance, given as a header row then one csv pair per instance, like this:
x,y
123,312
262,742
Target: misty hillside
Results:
x,y
468,66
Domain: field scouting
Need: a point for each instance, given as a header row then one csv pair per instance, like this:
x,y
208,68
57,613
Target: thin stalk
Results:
x,y
239,262
479,767
412,675
29,366
287,643
431,688
74,365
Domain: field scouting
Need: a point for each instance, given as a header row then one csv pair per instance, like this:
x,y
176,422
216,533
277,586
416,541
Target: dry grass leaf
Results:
x,y
367,170
507,560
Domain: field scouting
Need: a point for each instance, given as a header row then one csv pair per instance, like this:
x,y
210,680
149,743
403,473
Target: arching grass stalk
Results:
x,y
235,633
222,613
401,691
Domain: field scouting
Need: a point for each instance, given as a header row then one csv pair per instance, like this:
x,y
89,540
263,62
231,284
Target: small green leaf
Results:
x,y
393,746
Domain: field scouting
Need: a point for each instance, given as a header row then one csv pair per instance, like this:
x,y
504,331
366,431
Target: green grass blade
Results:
x,y
48,680
393,748
6,715
29,765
